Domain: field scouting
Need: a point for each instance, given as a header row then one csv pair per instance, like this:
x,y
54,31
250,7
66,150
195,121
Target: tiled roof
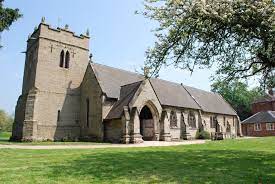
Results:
x,y
210,102
127,93
110,79
173,94
169,93
261,117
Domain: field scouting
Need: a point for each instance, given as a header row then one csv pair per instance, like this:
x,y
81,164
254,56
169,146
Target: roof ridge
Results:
x,y
96,77
181,84
251,116
131,83
131,94
165,80
270,112
192,96
262,116
124,70
226,102
200,89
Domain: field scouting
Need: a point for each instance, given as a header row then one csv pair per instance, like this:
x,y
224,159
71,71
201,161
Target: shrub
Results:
x,y
202,135
6,121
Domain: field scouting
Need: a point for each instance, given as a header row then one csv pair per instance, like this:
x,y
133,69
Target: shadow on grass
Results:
x,y
174,165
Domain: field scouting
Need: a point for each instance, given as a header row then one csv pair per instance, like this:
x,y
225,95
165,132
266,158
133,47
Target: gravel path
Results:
x,y
144,144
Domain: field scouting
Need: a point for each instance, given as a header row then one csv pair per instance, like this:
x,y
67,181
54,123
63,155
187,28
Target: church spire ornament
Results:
x,y
88,32
91,57
146,71
66,26
43,20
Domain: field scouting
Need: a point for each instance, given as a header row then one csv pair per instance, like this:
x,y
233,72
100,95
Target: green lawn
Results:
x,y
5,136
230,161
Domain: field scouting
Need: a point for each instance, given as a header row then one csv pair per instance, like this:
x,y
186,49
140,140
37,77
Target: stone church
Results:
x,y
65,96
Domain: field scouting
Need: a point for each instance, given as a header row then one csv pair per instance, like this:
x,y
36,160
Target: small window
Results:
x,y
224,121
191,119
173,120
212,122
228,127
61,62
58,115
257,127
67,60
87,111
270,126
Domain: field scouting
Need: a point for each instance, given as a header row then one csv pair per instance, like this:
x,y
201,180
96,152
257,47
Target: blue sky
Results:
x,y
119,38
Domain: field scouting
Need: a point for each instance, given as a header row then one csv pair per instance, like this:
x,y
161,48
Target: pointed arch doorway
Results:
x,y
147,127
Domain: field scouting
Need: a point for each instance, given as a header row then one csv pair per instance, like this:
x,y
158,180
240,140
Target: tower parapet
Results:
x,y
56,60
45,31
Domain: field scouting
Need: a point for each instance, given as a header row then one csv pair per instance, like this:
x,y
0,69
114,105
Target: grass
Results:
x,y
230,161
5,136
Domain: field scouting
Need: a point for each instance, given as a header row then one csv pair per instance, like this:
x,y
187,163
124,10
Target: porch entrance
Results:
x,y
147,129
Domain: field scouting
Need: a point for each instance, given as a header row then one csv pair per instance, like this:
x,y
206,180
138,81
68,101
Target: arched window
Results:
x,y
228,127
191,119
213,121
87,111
61,62
173,120
67,59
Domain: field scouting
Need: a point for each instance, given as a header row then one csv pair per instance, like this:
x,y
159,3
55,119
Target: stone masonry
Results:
x,y
67,97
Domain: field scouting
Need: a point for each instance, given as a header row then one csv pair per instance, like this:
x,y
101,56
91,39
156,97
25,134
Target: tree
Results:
x,y
237,36
6,121
7,17
238,95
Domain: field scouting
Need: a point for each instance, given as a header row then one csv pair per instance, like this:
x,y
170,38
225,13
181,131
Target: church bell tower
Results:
x,y
49,106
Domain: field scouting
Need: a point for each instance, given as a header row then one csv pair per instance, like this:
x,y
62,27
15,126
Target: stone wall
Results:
x,y
223,121
107,104
49,125
113,131
55,88
30,68
179,132
145,95
50,77
175,131
91,90
190,130
17,129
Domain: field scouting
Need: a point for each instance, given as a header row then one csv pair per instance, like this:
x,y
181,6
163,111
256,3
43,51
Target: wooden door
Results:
x,y
148,129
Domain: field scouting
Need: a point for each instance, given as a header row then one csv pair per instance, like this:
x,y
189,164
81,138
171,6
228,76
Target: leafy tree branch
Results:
x,y
237,36
7,17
